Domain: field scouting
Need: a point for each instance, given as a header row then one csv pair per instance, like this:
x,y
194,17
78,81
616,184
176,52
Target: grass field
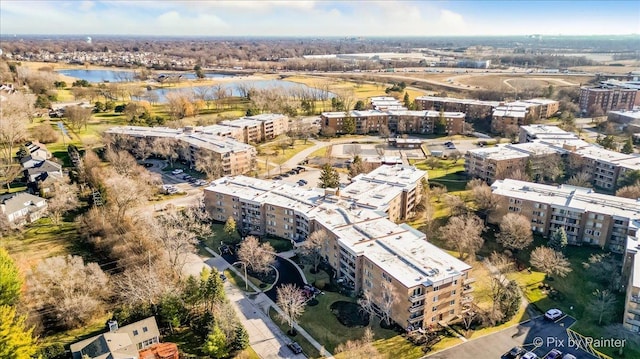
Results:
x,y
275,152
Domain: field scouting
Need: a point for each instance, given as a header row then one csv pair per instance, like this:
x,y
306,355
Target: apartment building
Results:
x,y
386,103
473,109
235,133
272,125
628,119
589,218
631,271
512,114
394,190
363,245
544,132
251,129
499,162
604,166
235,157
398,121
608,98
548,107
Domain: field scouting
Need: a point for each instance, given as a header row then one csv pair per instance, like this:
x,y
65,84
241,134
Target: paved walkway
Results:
x,y
265,337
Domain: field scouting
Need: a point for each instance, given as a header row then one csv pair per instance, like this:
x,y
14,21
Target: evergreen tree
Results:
x,y
240,339
558,240
359,105
16,340
349,125
329,177
10,280
407,100
628,147
230,226
216,344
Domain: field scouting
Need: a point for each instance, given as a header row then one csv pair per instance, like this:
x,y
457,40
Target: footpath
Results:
x,y
265,337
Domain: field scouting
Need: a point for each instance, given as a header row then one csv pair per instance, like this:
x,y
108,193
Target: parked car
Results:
x,y
303,182
177,171
223,277
295,347
277,178
300,169
514,353
530,355
553,314
554,354
292,172
284,175
186,177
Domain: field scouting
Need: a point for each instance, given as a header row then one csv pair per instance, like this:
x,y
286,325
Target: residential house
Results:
x,y
120,342
22,208
43,170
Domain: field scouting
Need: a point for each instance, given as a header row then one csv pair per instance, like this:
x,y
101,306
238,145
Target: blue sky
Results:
x,y
319,18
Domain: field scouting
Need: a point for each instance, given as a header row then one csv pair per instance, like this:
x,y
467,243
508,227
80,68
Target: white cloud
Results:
x,y
86,5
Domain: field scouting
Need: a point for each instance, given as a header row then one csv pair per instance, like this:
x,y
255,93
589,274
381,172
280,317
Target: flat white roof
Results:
x,y
634,115
267,117
541,101
459,100
242,122
570,197
215,143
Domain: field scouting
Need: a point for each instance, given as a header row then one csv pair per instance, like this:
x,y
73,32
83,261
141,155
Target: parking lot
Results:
x,y
310,175
537,335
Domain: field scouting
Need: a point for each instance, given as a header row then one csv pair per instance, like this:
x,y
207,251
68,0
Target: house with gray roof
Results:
x,y
22,208
119,342
43,170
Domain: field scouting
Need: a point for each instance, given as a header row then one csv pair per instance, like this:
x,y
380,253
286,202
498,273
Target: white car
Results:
x,y
177,171
553,314
530,355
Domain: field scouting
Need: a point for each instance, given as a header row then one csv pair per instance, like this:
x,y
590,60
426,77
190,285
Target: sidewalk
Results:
x,y
265,337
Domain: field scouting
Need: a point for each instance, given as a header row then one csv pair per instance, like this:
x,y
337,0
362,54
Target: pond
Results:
x,y
232,88
97,76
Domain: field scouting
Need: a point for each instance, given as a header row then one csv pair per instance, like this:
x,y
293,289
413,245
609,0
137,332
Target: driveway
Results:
x,y
537,335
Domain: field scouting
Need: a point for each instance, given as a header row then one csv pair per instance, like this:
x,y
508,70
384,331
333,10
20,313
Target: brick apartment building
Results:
x,y
609,98
473,109
363,245
398,121
235,157
604,166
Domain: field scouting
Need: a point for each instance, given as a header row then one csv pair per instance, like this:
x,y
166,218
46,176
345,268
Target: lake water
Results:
x,y
97,76
233,88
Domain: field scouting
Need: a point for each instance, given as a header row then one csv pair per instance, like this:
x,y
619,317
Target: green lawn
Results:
x,y
276,154
67,337
190,343
219,236
308,349
324,327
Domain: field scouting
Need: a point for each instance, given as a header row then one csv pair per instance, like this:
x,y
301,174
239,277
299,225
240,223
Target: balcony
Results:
x,y
416,318
467,299
635,299
468,281
417,297
467,289
415,309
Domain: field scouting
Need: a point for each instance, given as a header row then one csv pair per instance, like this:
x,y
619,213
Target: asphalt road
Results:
x,y
537,335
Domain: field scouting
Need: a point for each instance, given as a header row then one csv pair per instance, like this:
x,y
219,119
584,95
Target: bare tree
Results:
x,y
257,256
65,198
207,163
15,114
603,305
515,231
464,234
455,156
550,262
124,193
167,148
122,162
432,162
146,284
438,192
69,289
312,248
632,192
388,298
457,207
178,232
486,201
291,301
361,348
580,179
366,304
78,116
9,171
44,133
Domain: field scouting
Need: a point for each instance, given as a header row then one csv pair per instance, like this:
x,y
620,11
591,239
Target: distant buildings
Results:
x,y
587,217
363,244
385,103
235,157
502,114
609,96
398,121
628,119
539,155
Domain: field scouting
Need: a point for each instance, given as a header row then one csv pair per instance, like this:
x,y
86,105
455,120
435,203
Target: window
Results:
x,y
145,329
435,299
135,332
452,302
434,309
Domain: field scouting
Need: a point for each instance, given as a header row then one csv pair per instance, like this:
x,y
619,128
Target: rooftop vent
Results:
x,y
113,326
